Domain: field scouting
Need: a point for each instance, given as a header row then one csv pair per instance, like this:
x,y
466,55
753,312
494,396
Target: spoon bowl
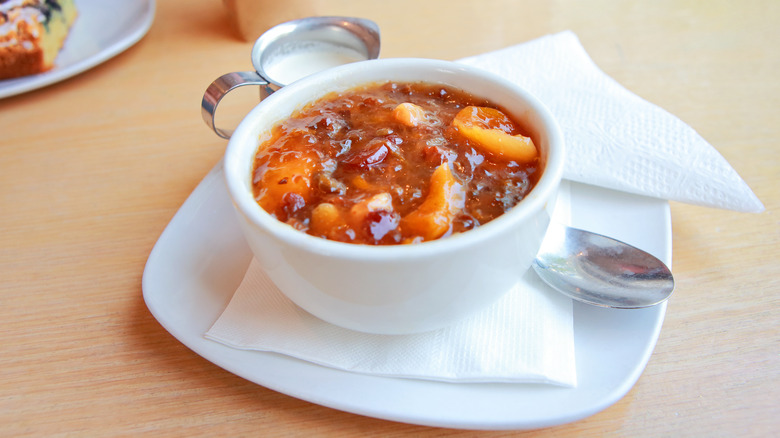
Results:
x,y
601,271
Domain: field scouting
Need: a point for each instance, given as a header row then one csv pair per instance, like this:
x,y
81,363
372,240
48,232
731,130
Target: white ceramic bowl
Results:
x,y
397,289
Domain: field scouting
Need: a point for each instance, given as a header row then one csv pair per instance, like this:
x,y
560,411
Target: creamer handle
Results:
x,y
221,87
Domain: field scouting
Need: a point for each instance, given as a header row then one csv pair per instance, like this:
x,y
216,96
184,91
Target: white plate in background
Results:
x,y
102,30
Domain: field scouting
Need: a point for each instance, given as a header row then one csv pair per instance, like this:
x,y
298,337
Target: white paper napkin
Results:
x,y
614,138
526,337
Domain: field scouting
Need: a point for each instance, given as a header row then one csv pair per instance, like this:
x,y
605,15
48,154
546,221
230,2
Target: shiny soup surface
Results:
x,y
394,163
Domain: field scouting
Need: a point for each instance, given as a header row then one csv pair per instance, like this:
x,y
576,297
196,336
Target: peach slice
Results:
x,y
433,218
409,114
490,129
287,174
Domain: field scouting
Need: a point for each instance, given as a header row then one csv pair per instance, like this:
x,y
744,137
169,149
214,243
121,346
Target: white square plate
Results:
x,y
201,258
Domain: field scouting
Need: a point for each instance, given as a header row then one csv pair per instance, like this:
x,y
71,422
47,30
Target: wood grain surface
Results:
x,y
93,168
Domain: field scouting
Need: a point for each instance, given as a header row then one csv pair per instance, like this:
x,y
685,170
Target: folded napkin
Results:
x,y
527,336
614,138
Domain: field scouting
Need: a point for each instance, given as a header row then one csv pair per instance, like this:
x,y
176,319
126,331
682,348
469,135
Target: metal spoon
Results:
x,y
601,271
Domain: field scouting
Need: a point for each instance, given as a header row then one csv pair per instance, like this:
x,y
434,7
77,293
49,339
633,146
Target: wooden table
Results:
x,y
94,167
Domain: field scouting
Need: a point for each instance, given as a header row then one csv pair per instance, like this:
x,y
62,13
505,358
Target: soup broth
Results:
x,y
394,163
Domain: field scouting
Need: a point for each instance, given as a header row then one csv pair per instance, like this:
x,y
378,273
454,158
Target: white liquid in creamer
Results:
x,y
295,63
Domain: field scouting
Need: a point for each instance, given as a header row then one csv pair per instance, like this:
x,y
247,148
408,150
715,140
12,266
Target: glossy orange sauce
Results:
x,y
354,167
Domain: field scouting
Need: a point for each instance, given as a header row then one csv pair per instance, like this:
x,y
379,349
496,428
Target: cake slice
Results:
x,y
32,33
